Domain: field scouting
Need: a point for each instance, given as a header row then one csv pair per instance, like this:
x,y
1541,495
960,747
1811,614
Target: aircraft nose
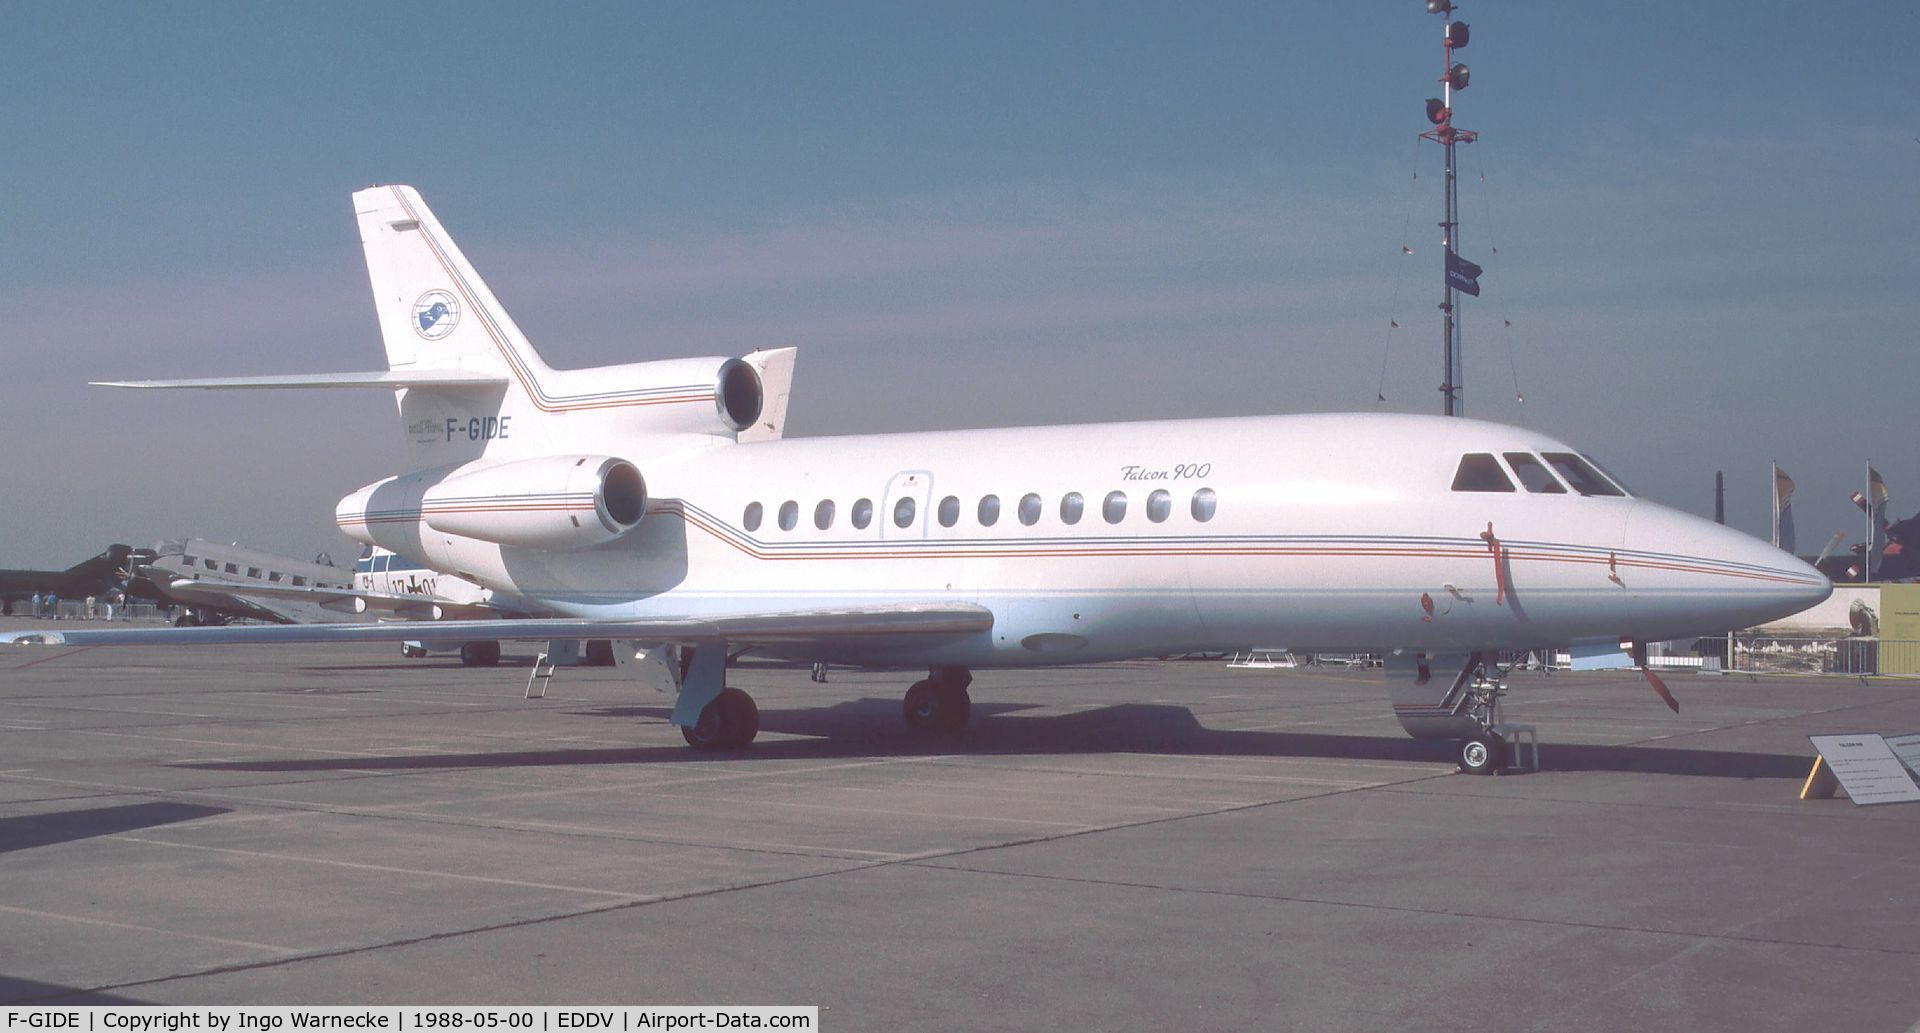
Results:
x,y
1708,577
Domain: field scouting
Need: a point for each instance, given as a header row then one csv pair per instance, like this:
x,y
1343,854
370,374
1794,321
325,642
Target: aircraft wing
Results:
x,y
342,600
430,378
747,629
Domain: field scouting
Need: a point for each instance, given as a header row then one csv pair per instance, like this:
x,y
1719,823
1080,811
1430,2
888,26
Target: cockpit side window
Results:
x,y
1533,474
1585,478
1480,471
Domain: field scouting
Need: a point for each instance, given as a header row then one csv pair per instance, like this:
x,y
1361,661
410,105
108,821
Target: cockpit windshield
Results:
x,y
1479,471
1583,474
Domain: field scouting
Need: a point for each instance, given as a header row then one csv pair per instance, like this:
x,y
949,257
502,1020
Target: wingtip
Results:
x,y
33,638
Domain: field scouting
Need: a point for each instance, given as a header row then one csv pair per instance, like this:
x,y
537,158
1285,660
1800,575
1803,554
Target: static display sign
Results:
x,y
1867,768
1907,748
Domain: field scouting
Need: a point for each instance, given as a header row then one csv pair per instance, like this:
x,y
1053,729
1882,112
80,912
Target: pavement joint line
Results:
x,y
211,742
539,790
84,920
552,828
1787,806
390,869
450,934
1559,923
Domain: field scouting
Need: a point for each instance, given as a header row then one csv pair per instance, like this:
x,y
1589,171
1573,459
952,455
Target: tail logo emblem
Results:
x,y
435,315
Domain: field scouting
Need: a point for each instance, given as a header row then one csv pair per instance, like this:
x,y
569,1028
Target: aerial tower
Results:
x,y
1459,276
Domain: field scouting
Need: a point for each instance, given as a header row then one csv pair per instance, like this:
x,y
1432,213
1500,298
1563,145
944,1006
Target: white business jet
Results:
x,y
655,503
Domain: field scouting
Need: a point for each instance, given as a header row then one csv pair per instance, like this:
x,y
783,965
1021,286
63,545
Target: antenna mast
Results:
x,y
1458,274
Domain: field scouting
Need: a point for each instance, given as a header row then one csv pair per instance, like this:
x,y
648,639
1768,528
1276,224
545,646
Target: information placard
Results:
x,y
1907,748
1867,768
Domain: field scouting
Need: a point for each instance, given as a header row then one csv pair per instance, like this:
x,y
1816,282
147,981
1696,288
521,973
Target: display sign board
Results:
x,y
1867,768
1907,748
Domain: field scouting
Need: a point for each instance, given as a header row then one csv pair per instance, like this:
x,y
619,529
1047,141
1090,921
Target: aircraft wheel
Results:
x,y
480,654
412,651
599,653
728,723
186,619
1483,755
936,706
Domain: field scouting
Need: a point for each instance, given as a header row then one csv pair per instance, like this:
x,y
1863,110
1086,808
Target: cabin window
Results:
x,y
1479,471
1114,509
1585,477
1159,506
299,581
253,572
949,511
989,510
1071,506
273,575
903,512
1030,509
211,565
823,514
1204,504
751,518
862,513
233,568
1533,474
789,515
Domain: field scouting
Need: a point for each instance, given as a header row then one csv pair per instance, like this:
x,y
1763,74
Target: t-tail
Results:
x,y
502,447
437,315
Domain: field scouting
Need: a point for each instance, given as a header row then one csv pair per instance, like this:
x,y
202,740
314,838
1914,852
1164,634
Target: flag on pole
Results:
x,y
1782,509
1463,275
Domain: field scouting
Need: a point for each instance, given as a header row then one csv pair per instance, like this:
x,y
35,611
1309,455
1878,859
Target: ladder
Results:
x,y
543,668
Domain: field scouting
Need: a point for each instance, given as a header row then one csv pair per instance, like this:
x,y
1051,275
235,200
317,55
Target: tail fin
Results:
x,y
435,312
104,564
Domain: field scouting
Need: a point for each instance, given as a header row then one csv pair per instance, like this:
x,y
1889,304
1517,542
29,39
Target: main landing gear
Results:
x,y
730,720
728,723
940,702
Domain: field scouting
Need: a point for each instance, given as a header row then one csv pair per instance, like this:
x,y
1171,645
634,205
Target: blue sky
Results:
x,y
1706,217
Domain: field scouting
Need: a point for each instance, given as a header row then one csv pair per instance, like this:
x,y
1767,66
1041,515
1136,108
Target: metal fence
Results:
x,y
1814,654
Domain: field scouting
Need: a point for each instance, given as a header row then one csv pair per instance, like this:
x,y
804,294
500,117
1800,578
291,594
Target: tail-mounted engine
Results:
x,y
553,503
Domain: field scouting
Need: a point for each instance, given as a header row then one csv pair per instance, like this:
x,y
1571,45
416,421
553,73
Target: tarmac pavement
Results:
x,y
1143,846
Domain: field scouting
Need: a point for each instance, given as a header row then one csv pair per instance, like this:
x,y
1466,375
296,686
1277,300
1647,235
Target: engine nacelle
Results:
x,y
552,503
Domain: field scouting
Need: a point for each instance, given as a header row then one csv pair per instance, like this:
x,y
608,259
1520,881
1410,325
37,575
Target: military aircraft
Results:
x,y
99,576
658,505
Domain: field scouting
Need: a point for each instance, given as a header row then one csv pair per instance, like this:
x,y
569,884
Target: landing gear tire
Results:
x,y
933,706
599,653
728,723
1483,755
480,654
412,651
186,619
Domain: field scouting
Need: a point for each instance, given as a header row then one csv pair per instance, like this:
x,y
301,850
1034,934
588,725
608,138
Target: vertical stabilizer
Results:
x,y
435,312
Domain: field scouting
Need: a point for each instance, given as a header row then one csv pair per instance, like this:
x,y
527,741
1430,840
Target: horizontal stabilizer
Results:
x,y
429,378
788,627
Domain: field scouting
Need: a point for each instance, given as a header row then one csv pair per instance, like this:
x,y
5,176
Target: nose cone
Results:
x,y
1692,576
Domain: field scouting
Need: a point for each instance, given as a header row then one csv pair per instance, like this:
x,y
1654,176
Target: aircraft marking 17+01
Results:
x,y
656,503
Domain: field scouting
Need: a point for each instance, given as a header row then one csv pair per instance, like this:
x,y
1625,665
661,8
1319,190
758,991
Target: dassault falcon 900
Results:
x,y
656,504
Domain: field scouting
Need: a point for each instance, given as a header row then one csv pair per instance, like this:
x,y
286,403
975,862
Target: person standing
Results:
x,y
36,604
